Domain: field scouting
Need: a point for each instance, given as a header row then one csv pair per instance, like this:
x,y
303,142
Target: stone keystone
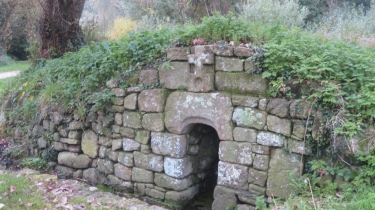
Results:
x,y
184,109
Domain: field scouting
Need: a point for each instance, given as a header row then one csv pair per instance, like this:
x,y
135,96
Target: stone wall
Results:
x,y
208,121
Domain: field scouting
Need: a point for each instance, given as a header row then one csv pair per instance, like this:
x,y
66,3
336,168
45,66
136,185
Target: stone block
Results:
x,y
178,168
232,175
142,175
142,136
298,147
281,164
153,122
178,54
119,101
90,144
202,53
241,82
244,207
112,83
42,143
116,144
257,189
299,109
162,180
115,129
278,107
115,108
105,166
245,101
132,119
150,161
74,148
298,129
64,170
118,92
76,125
126,158
279,125
118,118
70,141
224,198
56,137
152,100
270,139
123,172
245,134
127,132
183,197
59,146
235,152
73,160
260,149
75,135
169,144
103,152
92,175
223,50
130,102
261,162
184,109
148,77
112,155
146,149
257,177
249,117
230,64
243,52
130,145
263,103
175,75
155,193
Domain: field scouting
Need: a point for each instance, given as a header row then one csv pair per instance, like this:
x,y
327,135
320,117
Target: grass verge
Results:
x,y
15,65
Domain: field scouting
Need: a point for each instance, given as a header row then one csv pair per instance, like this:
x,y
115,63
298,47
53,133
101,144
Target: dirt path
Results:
x,y
9,74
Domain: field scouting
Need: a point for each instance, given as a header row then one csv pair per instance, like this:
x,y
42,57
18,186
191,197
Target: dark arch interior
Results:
x,y
204,145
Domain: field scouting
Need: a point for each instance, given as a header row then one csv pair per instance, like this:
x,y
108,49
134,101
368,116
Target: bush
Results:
x,y
287,13
121,27
4,58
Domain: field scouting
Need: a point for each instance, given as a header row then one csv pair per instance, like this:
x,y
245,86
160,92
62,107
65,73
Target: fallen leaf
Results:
x,y
12,189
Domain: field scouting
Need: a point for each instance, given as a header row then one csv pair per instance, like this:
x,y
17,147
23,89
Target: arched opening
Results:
x,y
204,147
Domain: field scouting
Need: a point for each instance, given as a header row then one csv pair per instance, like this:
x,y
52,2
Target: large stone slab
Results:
x,y
150,161
278,107
153,122
249,117
245,134
228,64
152,100
142,175
241,82
178,168
175,75
73,160
281,164
279,125
169,144
232,175
123,172
235,152
90,144
162,180
270,139
183,197
184,109
132,119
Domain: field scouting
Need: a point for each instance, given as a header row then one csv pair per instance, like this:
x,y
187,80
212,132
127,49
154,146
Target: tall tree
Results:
x,y
59,27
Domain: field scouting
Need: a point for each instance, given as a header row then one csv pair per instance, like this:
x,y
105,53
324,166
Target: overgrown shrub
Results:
x,y
121,27
288,13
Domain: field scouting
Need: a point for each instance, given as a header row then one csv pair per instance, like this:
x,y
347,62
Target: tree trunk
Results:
x,y
59,28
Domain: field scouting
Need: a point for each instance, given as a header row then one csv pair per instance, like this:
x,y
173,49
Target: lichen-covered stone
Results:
x,y
269,139
178,168
175,75
112,83
103,152
183,197
73,160
130,102
75,135
249,117
224,198
258,190
261,162
257,177
64,170
152,100
162,180
232,175
299,109
127,132
74,148
245,134
245,101
130,145
244,207
142,136
150,161
148,77
132,120
142,175
155,193
169,144
228,64
118,119
119,101
243,52
278,107
298,147
90,144
235,152
184,109
123,172
298,129
115,108
70,141
153,122
223,50
126,158
241,82
105,166
118,92
116,144
42,143
279,125
178,54
92,175
76,125
59,146
112,155
281,164
263,103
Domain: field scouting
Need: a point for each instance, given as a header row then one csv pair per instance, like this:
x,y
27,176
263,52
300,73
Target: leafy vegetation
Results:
x,y
15,65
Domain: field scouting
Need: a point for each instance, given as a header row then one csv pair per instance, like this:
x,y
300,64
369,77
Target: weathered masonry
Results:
x,y
207,126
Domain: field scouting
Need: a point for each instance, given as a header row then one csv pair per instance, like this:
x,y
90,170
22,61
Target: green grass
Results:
x,y
3,84
16,192
15,65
